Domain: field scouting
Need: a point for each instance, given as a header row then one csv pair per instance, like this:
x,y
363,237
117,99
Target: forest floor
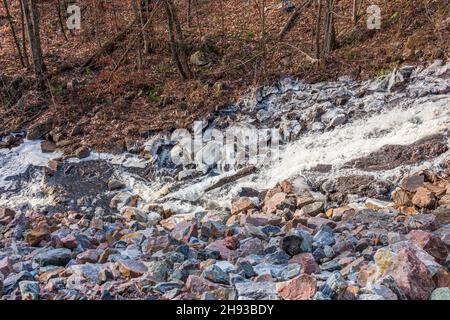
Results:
x,y
117,98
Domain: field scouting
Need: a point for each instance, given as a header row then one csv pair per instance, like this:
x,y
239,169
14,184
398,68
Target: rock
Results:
x,y
216,274
184,230
48,146
271,205
2,279
324,237
250,290
313,209
401,198
53,257
412,183
383,260
335,286
442,214
243,204
132,214
115,184
198,58
69,241
422,222
199,285
39,131
440,294
223,247
12,281
430,243
132,268
6,266
424,198
302,287
292,271
82,152
298,242
29,290
89,256
370,297
260,220
307,263
35,236
411,275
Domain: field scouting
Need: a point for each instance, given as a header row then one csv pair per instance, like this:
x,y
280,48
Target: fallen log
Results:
x,y
239,175
292,20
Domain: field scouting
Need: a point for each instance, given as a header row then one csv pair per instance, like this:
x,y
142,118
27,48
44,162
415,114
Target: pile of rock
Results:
x,y
282,243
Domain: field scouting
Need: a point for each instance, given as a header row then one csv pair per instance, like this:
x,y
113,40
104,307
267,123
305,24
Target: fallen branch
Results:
x,y
239,175
292,20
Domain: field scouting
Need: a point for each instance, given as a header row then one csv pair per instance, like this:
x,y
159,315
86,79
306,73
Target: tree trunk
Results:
x,y
176,41
13,32
32,18
318,24
24,35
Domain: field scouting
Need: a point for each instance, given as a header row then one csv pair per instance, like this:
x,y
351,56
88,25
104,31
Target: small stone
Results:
x,y
260,220
335,286
298,242
430,243
307,263
69,241
6,266
82,152
243,204
249,290
89,256
184,230
383,259
53,257
302,287
199,285
412,183
324,236
48,146
424,198
115,184
313,209
272,204
216,274
440,294
29,290
134,214
132,268
35,236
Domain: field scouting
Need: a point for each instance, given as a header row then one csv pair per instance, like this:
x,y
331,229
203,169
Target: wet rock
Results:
x,y
48,146
302,287
29,290
440,294
411,275
131,268
39,131
53,257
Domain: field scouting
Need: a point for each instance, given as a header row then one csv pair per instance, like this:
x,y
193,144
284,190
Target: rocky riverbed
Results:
x,y
356,206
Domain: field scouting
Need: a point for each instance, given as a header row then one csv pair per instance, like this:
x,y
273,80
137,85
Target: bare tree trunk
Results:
x,y
13,32
355,11
24,35
32,18
318,24
176,41
61,22
330,33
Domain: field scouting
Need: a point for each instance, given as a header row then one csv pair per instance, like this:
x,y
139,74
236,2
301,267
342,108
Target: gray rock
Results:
x,y
334,286
370,297
313,209
250,290
440,294
298,241
215,274
53,257
324,237
12,281
29,290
